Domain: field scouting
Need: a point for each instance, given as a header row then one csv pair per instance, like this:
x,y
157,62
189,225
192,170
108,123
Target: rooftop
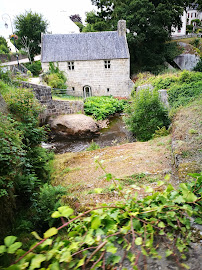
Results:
x,y
84,46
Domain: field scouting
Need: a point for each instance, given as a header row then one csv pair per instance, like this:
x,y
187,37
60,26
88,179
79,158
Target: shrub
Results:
x,y
198,66
181,95
55,78
44,203
35,67
102,107
146,115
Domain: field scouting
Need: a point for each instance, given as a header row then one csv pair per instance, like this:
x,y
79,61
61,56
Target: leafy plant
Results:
x,y
198,66
35,67
45,202
102,107
146,114
55,78
93,146
137,226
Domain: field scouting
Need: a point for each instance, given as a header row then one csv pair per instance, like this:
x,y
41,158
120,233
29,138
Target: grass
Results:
x,y
135,164
66,98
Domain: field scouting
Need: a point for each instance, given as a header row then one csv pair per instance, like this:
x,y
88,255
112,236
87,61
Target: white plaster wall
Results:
x,y
94,74
182,31
193,14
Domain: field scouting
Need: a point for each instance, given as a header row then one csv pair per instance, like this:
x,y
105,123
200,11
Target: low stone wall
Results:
x,y
53,107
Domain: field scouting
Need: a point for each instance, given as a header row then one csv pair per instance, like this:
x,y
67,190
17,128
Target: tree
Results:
x,y
30,25
3,46
149,22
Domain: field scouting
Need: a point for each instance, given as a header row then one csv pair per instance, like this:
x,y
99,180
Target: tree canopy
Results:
x,y
30,25
149,22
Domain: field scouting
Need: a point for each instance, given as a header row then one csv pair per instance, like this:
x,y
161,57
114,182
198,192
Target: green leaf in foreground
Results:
x,y
52,231
36,261
9,240
138,241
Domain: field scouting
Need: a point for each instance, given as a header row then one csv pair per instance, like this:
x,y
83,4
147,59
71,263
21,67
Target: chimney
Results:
x,y
121,28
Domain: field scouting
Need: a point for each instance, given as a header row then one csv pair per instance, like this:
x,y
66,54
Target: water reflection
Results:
x,y
114,134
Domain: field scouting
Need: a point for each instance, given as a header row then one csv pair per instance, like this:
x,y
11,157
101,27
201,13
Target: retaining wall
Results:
x,y
53,107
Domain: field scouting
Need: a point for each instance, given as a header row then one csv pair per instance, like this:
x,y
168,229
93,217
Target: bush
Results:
x,y
146,114
35,67
44,203
54,81
182,95
102,107
198,66
55,78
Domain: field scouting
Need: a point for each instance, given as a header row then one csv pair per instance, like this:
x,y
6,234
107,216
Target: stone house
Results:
x,y
95,64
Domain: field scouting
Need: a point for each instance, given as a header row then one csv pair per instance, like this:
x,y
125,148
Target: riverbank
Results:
x,y
138,163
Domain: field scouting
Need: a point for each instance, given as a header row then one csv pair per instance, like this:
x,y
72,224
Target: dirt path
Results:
x,y
135,163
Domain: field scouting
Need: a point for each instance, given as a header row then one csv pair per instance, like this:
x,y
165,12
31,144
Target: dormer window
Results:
x,y
71,65
107,64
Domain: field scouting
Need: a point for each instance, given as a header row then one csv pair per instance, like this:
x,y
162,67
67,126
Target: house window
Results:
x,y
73,88
195,15
191,15
71,65
107,89
188,15
107,64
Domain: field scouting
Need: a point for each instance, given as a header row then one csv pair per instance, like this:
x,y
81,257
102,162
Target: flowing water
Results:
x,y
115,133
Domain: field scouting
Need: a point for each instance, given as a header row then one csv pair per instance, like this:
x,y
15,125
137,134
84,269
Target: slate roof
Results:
x,y
84,46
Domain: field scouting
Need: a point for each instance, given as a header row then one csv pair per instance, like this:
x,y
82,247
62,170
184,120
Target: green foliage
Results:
x,y
24,165
55,78
45,202
198,66
102,107
160,132
146,114
182,95
11,153
3,46
182,87
34,67
92,238
93,146
152,21
30,25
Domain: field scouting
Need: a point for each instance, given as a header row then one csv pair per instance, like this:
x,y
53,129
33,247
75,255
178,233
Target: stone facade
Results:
x,y
53,107
102,81
95,64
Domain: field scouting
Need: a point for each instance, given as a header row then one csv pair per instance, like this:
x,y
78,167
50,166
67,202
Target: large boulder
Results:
x,y
78,125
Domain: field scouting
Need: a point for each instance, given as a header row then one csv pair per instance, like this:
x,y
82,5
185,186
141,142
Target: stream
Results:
x,y
115,133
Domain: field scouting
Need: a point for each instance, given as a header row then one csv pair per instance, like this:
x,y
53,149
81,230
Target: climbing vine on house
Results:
x,y
136,226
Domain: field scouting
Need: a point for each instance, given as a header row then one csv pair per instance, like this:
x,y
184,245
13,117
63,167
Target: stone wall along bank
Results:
x,y
53,107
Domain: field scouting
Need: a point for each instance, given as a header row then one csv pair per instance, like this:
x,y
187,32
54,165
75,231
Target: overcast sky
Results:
x,y
52,11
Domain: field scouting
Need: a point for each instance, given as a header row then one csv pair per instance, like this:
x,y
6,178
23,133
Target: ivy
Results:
x,y
138,226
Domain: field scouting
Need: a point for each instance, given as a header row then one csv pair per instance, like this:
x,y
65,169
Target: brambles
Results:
x,y
136,226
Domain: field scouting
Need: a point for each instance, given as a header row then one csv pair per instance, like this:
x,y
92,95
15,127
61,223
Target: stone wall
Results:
x,y
113,81
53,107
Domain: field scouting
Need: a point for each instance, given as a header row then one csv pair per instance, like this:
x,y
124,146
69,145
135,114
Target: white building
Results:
x,y
181,31
95,63
189,15
193,14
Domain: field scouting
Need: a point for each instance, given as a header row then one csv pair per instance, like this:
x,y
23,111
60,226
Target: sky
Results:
x,y
55,12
